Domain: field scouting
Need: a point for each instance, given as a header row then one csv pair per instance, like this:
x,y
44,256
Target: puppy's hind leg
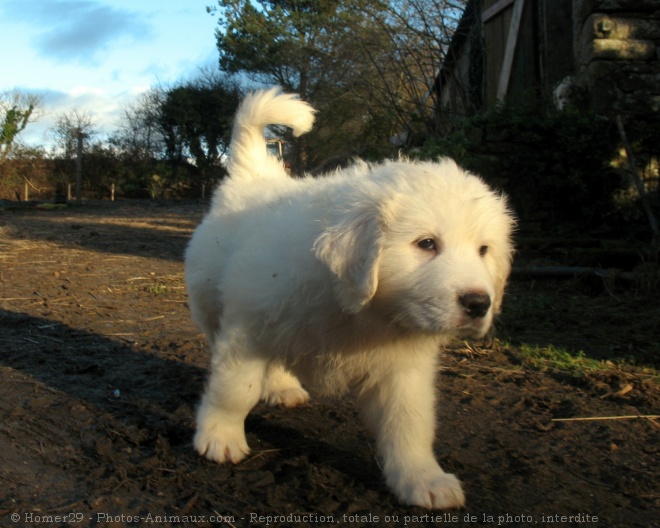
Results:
x,y
234,387
283,388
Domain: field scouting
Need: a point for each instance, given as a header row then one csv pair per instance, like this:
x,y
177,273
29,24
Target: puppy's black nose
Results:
x,y
476,304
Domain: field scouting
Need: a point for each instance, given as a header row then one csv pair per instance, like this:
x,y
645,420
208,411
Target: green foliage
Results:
x,y
172,139
367,66
15,121
558,163
302,46
16,111
196,119
287,42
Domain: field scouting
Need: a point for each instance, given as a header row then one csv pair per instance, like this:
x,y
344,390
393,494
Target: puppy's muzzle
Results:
x,y
475,304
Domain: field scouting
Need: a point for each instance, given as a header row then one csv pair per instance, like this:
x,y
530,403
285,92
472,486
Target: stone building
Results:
x,y
604,54
617,54
538,56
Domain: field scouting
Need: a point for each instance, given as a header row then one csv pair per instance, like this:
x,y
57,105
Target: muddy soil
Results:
x,y
101,370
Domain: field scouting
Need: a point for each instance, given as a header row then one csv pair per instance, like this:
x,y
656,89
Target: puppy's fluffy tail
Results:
x,y
249,158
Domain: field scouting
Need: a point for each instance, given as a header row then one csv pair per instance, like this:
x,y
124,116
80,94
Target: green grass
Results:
x,y
565,325
559,359
158,289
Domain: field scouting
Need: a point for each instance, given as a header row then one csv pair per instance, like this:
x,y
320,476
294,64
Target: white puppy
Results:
x,y
349,282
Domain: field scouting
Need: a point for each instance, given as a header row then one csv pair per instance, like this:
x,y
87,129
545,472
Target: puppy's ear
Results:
x,y
503,259
351,249
500,282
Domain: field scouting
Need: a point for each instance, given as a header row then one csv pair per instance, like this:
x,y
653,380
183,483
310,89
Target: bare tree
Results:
x,y
138,133
65,131
405,47
71,134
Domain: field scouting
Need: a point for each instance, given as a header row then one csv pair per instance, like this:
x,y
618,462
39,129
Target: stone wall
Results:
x,y
617,55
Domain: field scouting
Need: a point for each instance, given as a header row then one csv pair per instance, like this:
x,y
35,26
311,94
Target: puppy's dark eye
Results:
x,y
427,244
483,250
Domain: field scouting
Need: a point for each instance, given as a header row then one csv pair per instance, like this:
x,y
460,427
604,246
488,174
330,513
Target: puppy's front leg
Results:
x,y
401,410
234,387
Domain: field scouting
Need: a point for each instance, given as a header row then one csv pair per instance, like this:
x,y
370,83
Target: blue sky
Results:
x,y
98,55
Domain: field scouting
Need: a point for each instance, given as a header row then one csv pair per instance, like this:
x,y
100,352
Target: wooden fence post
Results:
x,y
511,41
79,148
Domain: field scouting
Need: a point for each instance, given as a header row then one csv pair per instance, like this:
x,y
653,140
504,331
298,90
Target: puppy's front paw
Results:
x,y
430,488
288,397
221,443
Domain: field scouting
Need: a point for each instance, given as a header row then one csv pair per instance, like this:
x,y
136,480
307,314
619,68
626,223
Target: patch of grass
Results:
x,y
158,289
618,326
559,359
561,362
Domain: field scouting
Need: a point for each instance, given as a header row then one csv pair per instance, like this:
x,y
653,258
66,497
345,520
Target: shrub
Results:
x,y
554,166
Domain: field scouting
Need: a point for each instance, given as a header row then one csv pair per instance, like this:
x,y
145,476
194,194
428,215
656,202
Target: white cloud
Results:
x,y
96,56
103,107
77,30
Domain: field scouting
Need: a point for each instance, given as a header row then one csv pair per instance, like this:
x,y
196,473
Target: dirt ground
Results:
x,y
101,369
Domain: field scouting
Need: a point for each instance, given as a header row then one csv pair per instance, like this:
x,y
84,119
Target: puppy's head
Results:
x,y
430,251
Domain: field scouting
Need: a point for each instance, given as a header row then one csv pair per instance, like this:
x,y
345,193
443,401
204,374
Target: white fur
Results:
x,y
323,280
